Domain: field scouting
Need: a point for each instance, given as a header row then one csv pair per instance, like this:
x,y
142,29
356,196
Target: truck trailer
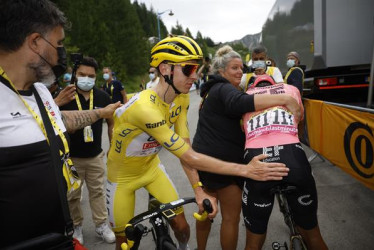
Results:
x,y
335,41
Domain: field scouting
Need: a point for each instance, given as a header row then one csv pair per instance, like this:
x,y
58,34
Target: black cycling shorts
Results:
x,y
257,200
217,181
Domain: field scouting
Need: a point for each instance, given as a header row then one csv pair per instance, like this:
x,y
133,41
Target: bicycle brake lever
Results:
x,y
128,245
200,217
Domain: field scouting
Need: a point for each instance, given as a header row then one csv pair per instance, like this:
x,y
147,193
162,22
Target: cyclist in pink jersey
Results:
x,y
273,131
261,126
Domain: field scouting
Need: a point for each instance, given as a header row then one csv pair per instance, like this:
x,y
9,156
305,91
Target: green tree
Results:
x,y
188,33
177,30
148,20
111,32
241,49
116,33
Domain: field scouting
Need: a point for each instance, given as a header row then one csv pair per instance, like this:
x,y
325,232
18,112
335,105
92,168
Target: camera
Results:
x,y
76,58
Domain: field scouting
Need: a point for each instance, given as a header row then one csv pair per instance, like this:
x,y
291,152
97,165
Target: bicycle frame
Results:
x,y
158,214
160,227
296,240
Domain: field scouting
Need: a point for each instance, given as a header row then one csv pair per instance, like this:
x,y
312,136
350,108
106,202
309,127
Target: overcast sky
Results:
x,y
221,20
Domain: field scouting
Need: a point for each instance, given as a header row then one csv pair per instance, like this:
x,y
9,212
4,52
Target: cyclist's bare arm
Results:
x,y
74,120
255,169
200,195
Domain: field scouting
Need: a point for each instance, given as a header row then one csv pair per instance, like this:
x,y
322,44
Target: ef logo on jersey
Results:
x,y
272,151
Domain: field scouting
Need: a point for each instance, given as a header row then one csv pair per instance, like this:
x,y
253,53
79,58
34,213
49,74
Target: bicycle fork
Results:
x,y
160,231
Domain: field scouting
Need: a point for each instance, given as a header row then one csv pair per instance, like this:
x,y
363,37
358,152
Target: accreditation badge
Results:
x,y
88,134
71,176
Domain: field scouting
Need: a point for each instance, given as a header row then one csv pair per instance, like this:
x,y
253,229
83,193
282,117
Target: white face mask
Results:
x,y
152,76
106,76
85,83
259,64
290,63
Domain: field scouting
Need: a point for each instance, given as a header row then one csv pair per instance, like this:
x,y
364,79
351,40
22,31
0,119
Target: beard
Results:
x,y
43,71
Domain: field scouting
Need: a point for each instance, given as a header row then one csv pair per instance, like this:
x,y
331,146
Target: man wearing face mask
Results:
x,y
154,79
34,145
113,87
87,154
259,67
295,74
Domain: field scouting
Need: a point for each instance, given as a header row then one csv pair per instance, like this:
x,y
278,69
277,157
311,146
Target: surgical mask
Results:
x,y
85,83
106,76
60,68
151,76
259,64
290,63
67,76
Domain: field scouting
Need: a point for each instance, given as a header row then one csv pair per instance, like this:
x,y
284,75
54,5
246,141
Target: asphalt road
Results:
x,y
346,207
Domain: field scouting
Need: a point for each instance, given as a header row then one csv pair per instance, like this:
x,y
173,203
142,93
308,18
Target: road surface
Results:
x,y
346,207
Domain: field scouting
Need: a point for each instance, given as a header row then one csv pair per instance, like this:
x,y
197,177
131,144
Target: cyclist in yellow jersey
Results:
x,y
144,125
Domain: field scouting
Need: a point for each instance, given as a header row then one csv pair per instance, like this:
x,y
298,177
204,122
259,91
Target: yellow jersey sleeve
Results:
x,y
181,124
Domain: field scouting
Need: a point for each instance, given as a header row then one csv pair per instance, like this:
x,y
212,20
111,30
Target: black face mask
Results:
x,y
60,68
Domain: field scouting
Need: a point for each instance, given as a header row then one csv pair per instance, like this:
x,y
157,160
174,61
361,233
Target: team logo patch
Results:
x,y
156,124
149,145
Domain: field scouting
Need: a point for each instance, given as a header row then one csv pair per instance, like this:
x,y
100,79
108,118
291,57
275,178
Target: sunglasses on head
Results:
x,y
187,68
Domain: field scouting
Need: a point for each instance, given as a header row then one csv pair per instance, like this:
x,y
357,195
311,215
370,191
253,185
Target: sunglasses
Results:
x,y
187,68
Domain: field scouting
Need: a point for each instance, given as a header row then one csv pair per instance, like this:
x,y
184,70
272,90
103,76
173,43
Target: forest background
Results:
x,y
118,34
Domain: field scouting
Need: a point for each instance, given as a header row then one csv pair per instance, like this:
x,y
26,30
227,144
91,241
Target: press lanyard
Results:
x,y
111,89
79,102
87,131
37,118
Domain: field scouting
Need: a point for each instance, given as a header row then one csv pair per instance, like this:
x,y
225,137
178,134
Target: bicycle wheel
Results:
x,y
296,244
168,246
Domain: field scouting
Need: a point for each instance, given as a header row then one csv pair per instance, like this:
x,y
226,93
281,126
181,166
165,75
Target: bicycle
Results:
x,y
296,240
158,215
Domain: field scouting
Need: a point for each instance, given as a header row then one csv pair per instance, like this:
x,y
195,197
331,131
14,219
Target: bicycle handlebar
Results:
x,y
207,210
133,227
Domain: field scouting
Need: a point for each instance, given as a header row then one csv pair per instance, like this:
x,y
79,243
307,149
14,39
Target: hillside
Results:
x,y
249,41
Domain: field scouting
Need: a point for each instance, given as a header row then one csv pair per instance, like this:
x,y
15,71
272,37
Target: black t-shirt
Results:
x,y
296,78
114,89
219,133
80,148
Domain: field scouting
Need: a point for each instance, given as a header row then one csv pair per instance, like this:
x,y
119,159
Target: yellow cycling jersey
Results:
x,y
141,128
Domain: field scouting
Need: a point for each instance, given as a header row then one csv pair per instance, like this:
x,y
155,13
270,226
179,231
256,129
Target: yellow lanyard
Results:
x,y
37,118
111,89
79,102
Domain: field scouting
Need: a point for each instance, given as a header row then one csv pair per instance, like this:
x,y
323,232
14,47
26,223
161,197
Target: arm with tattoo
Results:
x,y
74,120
